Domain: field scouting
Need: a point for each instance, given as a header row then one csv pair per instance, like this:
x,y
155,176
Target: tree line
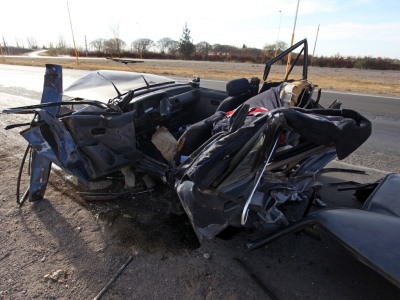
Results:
x,y
168,48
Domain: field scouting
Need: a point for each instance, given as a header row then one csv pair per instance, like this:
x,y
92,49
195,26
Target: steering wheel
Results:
x,y
165,108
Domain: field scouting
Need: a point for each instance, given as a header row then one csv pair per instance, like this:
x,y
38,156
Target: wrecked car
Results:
x,y
232,157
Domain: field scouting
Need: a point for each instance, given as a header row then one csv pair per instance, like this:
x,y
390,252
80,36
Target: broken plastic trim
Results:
x,y
33,108
245,212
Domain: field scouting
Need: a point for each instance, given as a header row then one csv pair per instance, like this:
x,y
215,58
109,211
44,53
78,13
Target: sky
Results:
x,y
346,27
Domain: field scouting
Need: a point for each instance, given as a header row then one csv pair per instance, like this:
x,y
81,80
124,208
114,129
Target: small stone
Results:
x,y
80,229
206,255
129,176
43,259
56,276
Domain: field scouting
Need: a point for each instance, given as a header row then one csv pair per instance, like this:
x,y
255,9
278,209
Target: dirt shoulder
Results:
x,y
354,80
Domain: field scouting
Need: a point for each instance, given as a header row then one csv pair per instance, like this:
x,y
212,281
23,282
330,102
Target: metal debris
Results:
x,y
113,278
97,196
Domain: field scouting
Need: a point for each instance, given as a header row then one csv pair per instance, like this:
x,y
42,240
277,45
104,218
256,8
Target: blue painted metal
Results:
x,y
40,165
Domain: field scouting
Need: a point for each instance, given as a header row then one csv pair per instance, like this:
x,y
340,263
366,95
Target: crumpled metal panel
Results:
x,y
97,85
55,144
370,233
209,216
40,165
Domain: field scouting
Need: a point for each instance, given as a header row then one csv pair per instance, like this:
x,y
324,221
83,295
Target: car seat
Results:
x,y
239,90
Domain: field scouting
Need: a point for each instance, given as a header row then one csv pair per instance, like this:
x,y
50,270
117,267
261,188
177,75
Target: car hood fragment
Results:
x,y
98,85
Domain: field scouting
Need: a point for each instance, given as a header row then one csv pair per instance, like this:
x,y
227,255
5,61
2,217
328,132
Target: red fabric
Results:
x,y
252,111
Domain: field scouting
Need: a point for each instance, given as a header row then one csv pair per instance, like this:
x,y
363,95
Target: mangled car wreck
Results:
x,y
231,157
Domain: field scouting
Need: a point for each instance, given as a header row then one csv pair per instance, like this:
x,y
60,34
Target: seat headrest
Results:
x,y
237,86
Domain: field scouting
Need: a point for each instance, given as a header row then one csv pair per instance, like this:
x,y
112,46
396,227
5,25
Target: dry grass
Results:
x,y
354,80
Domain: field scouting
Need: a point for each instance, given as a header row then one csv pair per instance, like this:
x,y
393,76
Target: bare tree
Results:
x,y
62,46
281,46
142,45
118,43
224,49
278,47
135,46
164,43
97,44
32,43
19,43
203,48
173,47
113,46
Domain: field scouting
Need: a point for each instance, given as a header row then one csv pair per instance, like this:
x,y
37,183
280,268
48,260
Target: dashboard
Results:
x,y
169,108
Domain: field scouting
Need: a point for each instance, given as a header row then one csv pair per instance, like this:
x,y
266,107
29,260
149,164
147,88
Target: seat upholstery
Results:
x,y
239,91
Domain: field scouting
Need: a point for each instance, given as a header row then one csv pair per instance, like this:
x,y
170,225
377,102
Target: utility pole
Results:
x,y
86,46
2,55
291,43
279,31
315,44
5,46
140,40
73,38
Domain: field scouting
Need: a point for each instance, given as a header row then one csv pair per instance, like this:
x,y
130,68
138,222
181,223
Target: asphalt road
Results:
x,y
380,152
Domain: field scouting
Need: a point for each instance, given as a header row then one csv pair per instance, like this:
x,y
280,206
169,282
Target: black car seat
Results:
x,y
239,90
